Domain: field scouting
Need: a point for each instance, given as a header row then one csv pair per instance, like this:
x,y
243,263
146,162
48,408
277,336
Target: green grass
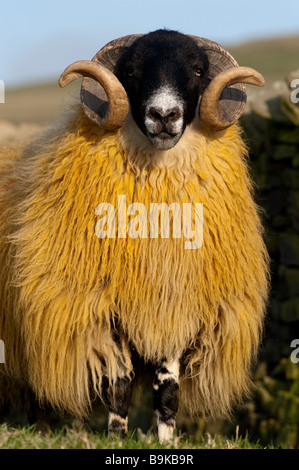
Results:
x,y
68,438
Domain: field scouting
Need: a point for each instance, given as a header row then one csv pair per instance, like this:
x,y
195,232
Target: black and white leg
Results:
x,y
117,399
117,394
166,397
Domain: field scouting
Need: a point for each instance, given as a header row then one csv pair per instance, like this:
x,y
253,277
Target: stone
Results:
x,y
261,371
289,249
290,77
280,368
288,436
290,310
295,386
290,178
268,428
293,201
287,135
279,221
284,151
289,281
276,201
292,370
264,395
290,109
273,243
266,102
272,132
295,161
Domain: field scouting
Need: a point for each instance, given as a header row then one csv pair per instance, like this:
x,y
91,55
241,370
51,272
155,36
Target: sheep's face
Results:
x,y
164,74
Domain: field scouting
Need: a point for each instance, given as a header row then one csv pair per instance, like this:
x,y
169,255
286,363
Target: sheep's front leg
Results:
x,y
117,399
166,397
117,393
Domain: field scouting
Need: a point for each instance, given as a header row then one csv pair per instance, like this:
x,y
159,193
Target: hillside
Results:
x,y
274,58
40,103
43,103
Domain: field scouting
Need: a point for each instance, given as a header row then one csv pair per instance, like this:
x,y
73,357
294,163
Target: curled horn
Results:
x,y
118,106
211,115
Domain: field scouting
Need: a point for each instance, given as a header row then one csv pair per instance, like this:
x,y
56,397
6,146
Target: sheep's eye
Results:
x,y
130,72
197,72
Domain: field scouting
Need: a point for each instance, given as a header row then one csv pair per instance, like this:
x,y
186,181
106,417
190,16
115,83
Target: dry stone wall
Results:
x,y
271,127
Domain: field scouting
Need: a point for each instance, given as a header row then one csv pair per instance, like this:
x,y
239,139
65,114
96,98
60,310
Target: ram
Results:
x,y
80,295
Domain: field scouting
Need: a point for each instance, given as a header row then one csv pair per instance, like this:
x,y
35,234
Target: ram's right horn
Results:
x,y
210,116
118,107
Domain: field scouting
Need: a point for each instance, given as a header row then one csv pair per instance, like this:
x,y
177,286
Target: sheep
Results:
x,y
157,124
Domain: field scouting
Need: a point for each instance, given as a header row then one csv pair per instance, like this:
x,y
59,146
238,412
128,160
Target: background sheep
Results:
x,y
75,306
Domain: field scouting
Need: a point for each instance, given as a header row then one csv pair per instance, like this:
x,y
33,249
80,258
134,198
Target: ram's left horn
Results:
x,y
209,114
118,106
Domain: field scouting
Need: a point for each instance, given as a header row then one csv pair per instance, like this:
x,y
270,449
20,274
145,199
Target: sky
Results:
x,y
39,39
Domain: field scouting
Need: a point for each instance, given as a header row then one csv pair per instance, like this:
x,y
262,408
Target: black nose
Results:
x,y
156,114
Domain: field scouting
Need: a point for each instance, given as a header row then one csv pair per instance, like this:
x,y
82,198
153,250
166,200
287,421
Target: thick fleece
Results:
x,y
65,292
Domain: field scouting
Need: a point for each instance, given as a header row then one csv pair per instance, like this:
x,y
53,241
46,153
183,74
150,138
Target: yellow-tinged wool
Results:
x,y
62,287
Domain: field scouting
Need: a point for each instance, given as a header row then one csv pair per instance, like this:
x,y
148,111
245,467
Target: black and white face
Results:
x,y
164,73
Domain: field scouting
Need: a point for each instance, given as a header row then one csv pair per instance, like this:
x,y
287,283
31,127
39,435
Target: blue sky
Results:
x,y
38,39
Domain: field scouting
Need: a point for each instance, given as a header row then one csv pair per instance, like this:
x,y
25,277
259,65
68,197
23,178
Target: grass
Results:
x,y
68,438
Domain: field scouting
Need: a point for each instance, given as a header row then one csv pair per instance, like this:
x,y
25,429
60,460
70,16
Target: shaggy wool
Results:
x,y
65,292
